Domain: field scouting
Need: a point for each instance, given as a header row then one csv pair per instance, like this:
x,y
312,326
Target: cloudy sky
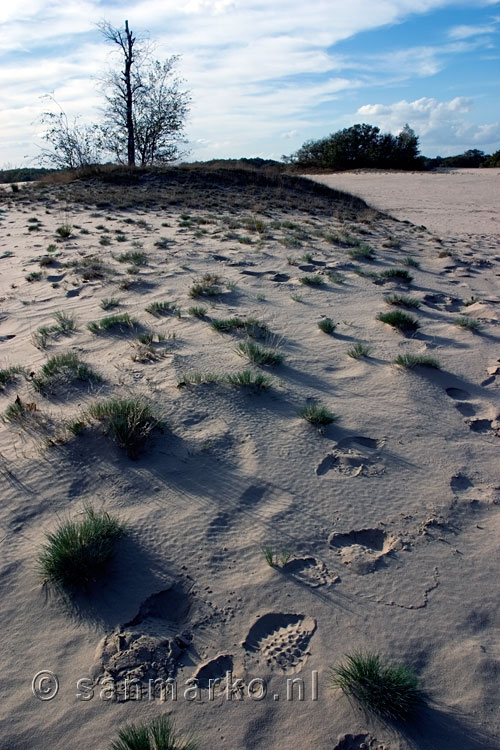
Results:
x,y
266,75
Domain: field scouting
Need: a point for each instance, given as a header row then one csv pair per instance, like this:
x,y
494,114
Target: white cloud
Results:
x,y
464,31
440,124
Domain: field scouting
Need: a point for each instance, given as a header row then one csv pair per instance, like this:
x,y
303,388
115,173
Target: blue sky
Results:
x,y
267,75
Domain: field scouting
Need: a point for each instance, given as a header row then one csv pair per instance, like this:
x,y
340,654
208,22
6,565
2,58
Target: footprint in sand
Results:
x,y
353,457
282,640
467,488
214,670
310,571
359,742
364,550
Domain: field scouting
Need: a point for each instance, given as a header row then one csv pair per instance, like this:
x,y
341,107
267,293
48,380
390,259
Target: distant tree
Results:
x,y
71,143
471,158
145,109
493,160
360,146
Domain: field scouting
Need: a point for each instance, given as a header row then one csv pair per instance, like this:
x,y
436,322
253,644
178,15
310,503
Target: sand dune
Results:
x,y
388,515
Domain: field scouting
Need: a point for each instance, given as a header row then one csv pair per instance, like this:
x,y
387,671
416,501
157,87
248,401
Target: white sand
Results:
x,y
391,516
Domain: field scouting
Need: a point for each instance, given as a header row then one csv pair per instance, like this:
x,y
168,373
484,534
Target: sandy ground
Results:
x,y
391,515
453,202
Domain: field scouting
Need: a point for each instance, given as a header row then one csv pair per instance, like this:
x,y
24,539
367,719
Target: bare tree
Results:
x,y
124,84
146,108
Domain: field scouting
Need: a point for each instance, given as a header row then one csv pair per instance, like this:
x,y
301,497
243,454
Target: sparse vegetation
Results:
x,y
159,309
198,312
109,303
34,276
276,558
390,692
396,274
64,231
159,734
312,280
119,322
251,326
359,350
400,320
258,354
77,553
63,368
411,262
362,252
404,300
471,324
317,414
210,285
327,325
128,421
10,374
248,379
136,257
409,361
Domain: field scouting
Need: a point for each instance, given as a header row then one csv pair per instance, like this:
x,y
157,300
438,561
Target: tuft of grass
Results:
x,y
327,325
400,320
335,277
64,323
129,421
362,252
63,368
471,324
51,248
312,280
64,231
390,692
210,285
248,379
317,414
258,354
9,374
252,327
159,734
109,303
77,553
399,274
199,378
359,350
198,312
162,308
118,322
135,257
409,361
404,300
104,241
411,262
34,276
276,559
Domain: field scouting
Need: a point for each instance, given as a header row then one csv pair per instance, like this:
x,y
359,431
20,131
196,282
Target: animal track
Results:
x,y
310,571
359,742
364,549
353,456
281,639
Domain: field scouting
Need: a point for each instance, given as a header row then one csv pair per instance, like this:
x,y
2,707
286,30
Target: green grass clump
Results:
x,y
400,320
258,354
362,252
471,324
33,276
129,421
312,280
411,262
136,257
359,350
64,323
210,285
105,241
77,552
251,326
109,303
159,734
398,274
404,300
64,231
248,379
390,692
65,368
119,322
317,414
162,308
200,378
417,360
327,325
9,374
198,312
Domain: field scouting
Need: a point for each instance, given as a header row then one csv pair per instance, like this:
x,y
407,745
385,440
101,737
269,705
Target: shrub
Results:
x,y
64,231
208,286
390,692
198,312
63,368
248,379
9,374
136,257
161,308
359,350
77,552
317,414
399,274
315,280
402,299
471,324
108,303
118,322
362,252
400,320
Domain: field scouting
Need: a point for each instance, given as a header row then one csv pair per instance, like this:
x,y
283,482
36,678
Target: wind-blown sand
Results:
x,y
391,515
